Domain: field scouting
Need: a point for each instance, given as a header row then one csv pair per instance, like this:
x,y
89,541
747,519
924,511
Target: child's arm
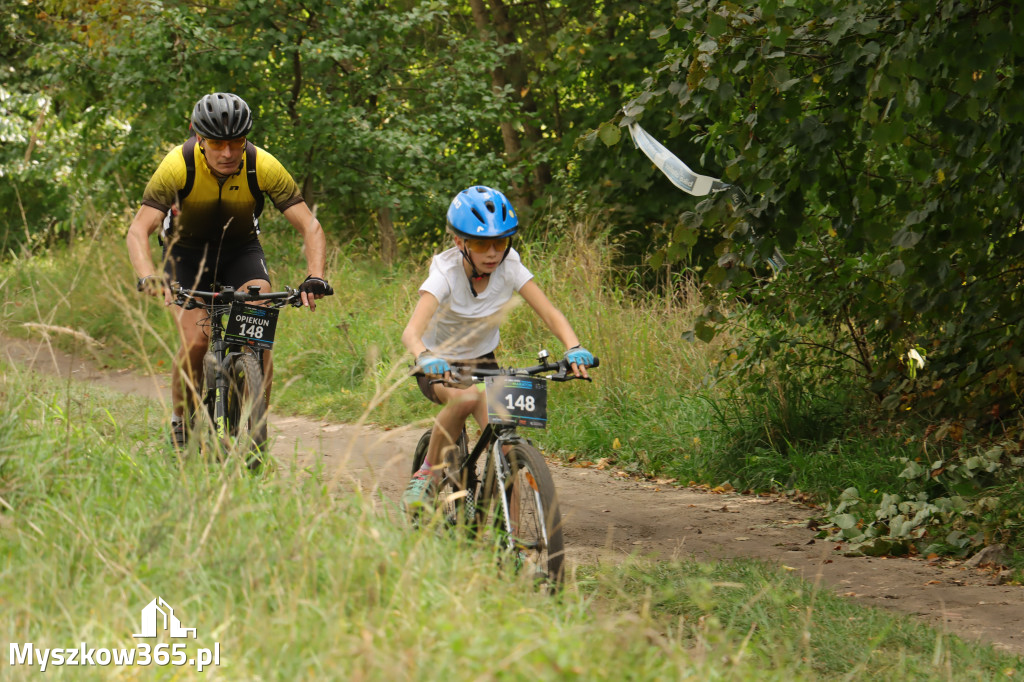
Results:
x,y
553,319
412,337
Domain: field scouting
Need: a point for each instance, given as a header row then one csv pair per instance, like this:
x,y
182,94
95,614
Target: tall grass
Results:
x,y
652,407
293,581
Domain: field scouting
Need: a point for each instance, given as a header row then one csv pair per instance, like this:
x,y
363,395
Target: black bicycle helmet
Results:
x,y
222,116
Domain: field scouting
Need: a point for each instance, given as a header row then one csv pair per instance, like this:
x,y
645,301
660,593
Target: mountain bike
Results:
x,y
232,393
509,492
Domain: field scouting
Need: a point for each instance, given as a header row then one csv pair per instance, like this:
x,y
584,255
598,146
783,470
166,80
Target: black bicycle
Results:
x,y
510,491
232,394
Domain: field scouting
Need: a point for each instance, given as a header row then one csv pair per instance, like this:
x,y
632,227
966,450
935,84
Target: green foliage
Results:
x,y
960,500
885,166
381,110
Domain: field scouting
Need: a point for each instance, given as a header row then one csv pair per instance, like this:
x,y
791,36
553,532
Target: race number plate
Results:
x,y
517,401
251,325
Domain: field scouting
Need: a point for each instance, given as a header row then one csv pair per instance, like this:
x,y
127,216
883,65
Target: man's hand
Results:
x,y
313,288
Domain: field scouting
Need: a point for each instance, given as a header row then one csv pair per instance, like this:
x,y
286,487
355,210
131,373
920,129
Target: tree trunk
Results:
x,y
513,148
517,75
388,240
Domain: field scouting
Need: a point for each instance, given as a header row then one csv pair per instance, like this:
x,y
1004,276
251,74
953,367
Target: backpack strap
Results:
x,y
254,185
188,154
188,150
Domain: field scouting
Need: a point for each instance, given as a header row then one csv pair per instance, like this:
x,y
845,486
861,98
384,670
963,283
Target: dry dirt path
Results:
x,y
608,517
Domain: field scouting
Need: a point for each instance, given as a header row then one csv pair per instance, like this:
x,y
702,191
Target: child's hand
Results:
x,y
579,358
432,364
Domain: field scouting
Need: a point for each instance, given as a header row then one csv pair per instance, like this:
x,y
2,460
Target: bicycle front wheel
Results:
x,y
533,529
247,407
455,495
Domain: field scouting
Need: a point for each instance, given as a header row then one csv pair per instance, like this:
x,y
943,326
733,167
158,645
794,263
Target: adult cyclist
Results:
x,y
455,322
205,197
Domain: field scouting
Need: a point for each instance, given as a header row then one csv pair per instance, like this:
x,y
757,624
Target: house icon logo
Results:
x,y
151,619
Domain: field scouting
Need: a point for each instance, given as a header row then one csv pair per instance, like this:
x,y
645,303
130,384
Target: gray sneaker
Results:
x,y
179,433
419,494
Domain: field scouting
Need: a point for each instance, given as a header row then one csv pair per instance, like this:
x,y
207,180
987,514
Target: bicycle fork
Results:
x,y
215,367
502,469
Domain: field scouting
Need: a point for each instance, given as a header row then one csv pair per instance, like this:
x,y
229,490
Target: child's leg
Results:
x,y
459,403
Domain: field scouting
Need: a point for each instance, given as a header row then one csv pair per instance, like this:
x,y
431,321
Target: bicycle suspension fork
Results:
x,y
501,470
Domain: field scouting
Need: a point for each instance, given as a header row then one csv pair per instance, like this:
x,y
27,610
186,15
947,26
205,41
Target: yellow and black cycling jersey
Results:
x,y
216,210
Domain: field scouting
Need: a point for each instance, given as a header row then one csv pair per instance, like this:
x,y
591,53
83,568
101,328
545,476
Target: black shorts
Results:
x,y
483,362
221,265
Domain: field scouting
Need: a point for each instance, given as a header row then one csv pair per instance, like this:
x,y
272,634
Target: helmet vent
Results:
x,y
490,206
478,216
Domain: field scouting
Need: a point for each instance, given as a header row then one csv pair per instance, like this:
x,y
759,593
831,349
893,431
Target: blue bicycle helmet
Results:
x,y
481,212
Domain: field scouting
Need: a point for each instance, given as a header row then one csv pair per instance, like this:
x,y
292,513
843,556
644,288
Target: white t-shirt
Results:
x,y
466,327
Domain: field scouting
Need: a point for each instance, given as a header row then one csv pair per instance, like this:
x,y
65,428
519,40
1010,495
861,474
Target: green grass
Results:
x,y
296,581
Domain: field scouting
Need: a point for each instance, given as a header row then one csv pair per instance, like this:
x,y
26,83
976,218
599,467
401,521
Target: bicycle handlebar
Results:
x,y
477,375
192,298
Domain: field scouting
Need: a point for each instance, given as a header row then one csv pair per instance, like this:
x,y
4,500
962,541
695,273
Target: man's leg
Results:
x,y
187,370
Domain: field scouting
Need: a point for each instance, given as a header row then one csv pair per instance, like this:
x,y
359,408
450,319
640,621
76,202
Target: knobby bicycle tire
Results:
x,y
247,407
206,410
536,538
457,491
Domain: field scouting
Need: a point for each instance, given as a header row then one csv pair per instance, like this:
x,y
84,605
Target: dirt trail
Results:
x,y
608,517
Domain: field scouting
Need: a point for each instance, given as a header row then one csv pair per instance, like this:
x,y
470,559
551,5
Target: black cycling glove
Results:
x,y
316,286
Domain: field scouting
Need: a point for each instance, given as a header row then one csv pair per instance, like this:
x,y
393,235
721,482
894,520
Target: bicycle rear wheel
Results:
x,y
457,492
247,408
533,531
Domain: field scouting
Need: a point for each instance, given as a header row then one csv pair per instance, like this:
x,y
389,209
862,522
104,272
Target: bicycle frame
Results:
x,y
493,439
216,403
221,361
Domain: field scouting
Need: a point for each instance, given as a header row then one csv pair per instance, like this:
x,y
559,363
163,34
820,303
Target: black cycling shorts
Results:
x,y
483,362
221,265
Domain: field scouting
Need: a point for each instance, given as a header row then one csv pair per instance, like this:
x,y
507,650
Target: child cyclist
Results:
x,y
455,322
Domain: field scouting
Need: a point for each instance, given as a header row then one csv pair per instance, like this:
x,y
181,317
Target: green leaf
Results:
x,y
703,331
717,25
609,134
896,268
905,239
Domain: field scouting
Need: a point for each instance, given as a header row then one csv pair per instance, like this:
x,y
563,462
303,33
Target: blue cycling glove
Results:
x,y
431,364
580,355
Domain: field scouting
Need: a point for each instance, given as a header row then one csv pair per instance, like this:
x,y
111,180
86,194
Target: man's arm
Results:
x,y
314,243
146,222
